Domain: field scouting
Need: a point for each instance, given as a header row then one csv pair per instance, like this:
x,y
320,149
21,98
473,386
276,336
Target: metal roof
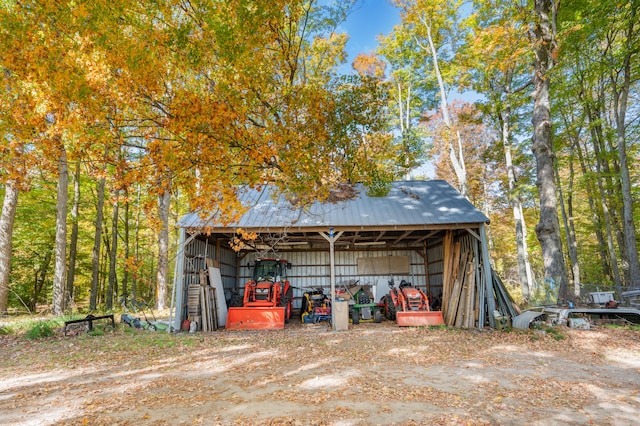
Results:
x,y
429,204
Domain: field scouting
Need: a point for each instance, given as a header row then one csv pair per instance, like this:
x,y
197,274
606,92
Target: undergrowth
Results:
x,y
42,329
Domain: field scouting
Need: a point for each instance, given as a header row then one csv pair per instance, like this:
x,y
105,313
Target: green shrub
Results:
x,y
5,331
41,329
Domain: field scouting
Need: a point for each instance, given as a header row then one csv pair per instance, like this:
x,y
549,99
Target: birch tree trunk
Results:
x,y
548,228
164,200
60,271
456,156
7,219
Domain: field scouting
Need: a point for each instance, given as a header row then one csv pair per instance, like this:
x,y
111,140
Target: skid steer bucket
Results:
x,y
419,318
255,318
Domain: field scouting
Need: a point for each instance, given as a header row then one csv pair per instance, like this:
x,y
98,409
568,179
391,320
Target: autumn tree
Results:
x,y
548,228
597,55
428,36
494,61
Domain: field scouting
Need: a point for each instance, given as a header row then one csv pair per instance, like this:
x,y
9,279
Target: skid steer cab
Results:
x,y
267,300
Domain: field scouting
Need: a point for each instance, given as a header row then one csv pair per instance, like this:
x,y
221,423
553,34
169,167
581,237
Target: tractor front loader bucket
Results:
x,y
419,318
255,318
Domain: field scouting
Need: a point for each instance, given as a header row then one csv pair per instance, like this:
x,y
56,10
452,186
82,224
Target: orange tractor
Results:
x,y
409,306
268,297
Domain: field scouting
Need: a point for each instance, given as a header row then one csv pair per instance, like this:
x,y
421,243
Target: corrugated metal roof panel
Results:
x,y
420,203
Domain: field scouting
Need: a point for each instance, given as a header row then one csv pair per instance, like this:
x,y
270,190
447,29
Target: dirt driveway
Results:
x,y
310,375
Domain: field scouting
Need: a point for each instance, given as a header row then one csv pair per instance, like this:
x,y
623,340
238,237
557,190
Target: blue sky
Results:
x,y
369,19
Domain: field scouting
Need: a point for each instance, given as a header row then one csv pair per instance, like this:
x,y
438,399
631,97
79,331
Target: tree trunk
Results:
x,y
524,267
569,231
613,258
113,255
134,280
548,228
456,157
620,96
125,273
73,244
40,279
60,272
612,190
97,240
7,219
597,215
164,200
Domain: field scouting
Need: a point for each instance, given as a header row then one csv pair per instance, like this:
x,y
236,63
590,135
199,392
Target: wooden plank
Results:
x,y
384,265
454,301
471,295
205,313
450,254
214,308
459,318
446,274
193,300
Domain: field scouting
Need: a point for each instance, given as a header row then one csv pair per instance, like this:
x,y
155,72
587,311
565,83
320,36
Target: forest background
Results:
x,y
117,117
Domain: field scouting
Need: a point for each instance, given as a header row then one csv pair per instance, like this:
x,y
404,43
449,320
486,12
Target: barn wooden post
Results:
x,y
488,279
332,262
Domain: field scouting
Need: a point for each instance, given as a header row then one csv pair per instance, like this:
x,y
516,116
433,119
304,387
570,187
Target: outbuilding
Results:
x,y
424,232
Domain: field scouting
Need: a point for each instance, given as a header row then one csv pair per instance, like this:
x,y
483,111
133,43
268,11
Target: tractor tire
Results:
x,y
355,318
304,307
286,302
390,308
377,318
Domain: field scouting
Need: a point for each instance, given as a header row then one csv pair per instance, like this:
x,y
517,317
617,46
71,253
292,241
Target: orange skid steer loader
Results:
x,y
268,297
409,306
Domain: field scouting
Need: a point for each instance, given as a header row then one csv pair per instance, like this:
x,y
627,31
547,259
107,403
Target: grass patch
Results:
x,y
555,333
41,329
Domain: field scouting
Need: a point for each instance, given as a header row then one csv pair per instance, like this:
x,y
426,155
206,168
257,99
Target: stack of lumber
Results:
x,y
465,293
193,302
202,304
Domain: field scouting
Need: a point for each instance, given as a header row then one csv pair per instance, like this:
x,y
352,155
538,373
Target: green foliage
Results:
x,y
41,329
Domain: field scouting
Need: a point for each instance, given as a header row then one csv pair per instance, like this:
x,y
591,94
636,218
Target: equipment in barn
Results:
x,y
409,306
267,298
362,308
316,307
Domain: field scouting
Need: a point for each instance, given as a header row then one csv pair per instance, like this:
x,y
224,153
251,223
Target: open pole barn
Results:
x,y
424,232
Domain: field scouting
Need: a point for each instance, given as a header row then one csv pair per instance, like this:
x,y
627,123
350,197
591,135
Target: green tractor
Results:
x,y
362,307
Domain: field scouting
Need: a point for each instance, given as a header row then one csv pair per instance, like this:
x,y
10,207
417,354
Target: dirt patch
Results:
x,y
308,374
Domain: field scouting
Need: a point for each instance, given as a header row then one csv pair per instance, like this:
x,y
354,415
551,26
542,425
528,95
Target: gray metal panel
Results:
x,y
431,202
524,320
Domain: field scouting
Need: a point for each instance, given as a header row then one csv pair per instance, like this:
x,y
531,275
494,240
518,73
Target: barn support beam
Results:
x,y
331,238
488,279
177,296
